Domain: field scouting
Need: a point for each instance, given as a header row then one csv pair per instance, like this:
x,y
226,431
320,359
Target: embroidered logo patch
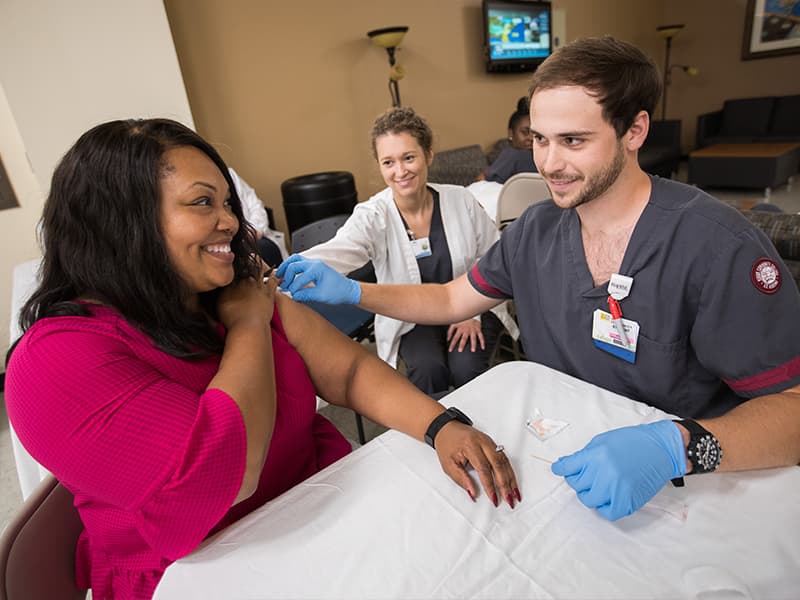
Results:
x,y
766,276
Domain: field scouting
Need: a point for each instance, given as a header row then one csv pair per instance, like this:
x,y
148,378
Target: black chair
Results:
x,y
309,198
353,321
37,547
661,152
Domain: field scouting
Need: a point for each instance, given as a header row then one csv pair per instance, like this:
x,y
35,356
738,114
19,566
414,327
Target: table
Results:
x,y
762,165
385,522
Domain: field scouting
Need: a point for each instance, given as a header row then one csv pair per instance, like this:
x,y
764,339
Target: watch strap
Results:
x,y
451,414
693,427
696,434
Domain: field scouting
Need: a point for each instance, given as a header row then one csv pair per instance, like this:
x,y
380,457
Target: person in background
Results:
x,y
419,232
161,379
644,286
271,243
517,157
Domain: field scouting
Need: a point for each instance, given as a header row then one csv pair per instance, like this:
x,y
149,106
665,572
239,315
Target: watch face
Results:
x,y
459,416
705,453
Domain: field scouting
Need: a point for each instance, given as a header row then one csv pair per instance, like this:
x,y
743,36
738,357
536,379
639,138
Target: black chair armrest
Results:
x,y
708,125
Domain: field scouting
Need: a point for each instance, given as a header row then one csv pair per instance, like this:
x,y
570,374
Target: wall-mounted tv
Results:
x,y
517,34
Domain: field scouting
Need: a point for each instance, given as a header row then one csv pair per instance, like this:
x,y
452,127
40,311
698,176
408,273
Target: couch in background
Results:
x,y
461,165
751,120
660,155
783,230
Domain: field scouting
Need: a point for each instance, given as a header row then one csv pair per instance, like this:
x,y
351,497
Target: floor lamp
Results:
x,y
390,38
668,32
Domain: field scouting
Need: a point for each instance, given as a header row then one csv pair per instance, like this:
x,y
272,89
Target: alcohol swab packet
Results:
x,y
543,427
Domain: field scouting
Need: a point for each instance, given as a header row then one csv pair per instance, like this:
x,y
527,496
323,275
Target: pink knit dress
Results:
x,y
154,460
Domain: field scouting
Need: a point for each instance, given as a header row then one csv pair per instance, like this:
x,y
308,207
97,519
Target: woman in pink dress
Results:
x,y
162,379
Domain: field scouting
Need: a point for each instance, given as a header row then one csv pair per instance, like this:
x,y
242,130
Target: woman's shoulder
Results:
x,y
447,188
449,192
375,209
456,198
101,322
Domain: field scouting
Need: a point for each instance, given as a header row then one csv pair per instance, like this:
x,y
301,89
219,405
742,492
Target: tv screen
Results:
x,y
517,34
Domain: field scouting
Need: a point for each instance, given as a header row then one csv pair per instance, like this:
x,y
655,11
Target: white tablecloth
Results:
x,y
385,522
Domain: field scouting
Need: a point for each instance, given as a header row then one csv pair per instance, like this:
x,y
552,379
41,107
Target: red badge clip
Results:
x,y
616,321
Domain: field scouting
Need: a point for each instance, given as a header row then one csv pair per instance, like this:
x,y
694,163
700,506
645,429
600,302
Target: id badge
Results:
x,y
421,247
606,335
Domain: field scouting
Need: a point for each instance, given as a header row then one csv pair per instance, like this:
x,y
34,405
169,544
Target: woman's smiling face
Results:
x,y
403,162
197,221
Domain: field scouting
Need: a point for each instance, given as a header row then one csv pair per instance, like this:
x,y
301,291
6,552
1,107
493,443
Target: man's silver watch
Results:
x,y
703,449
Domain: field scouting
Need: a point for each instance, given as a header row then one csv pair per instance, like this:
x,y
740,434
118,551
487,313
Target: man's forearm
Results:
x,y
761,433
427,304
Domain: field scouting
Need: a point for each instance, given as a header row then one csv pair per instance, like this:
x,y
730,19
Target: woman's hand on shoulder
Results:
x,y
247,301
459,446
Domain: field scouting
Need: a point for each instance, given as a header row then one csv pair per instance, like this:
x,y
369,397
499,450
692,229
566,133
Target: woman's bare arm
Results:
x,y
346,374
246,372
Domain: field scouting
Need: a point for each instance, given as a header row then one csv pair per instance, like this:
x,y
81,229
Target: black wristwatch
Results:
x,y
451,414
703,449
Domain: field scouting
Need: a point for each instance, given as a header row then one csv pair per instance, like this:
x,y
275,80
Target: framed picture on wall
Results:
x,y
771,28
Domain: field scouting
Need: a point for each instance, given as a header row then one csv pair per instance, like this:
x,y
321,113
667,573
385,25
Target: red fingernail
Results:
x,y
510,500
471,495
518,495
494,499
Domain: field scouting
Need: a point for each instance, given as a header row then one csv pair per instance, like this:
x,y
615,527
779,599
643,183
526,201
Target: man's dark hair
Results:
x,y
624,80
102,236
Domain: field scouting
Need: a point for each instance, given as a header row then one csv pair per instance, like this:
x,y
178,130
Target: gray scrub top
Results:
x,y
712,334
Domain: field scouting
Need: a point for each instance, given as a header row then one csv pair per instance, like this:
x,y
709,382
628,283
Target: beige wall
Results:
x,y
278,108
712,41
64,67
289,88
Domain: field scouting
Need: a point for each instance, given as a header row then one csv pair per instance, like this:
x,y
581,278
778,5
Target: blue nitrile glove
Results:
x,y
620,470
329,287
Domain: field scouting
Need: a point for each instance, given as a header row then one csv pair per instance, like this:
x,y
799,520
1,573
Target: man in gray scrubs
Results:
x,y
641,285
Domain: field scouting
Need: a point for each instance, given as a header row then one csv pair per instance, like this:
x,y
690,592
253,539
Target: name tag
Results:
x,y
619,286
607,336
421,247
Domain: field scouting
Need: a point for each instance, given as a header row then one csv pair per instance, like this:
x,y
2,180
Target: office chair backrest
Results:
x,y
320,231
37,548
353,321
517,194
317,232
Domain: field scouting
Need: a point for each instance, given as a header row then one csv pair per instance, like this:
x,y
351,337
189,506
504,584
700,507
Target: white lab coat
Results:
x,y
255,213
375,232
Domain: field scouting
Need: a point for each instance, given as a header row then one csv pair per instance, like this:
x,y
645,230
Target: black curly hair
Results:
x,y
102,236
